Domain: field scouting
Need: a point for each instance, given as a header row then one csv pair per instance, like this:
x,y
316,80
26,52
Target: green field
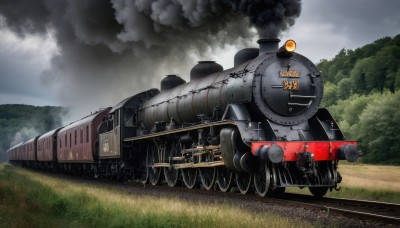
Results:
x,y
33,200
368,182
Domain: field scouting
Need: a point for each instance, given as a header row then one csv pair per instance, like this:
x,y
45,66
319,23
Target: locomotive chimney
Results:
x,y
268,45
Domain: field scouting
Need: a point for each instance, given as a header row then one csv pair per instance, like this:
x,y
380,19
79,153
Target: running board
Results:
x,y
188,165
179,130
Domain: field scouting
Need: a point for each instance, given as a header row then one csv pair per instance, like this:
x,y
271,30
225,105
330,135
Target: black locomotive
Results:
x,y
257,125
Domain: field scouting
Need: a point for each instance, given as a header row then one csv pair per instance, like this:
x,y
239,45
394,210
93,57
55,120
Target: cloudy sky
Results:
x,y
27,59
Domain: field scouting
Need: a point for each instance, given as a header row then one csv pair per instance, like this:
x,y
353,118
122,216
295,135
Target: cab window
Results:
x,y
116,118
130,118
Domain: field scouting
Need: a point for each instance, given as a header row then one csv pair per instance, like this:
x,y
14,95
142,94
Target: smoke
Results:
x,y
109,50
23,135
269,17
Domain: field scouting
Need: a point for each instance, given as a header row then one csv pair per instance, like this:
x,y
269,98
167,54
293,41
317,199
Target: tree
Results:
x,y
397,81
358,75
344,88
347,113
378,131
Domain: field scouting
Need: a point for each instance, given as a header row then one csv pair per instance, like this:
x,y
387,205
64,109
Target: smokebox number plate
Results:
x,y
291,85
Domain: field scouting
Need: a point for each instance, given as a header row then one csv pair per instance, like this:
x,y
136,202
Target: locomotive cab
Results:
x,y
122,123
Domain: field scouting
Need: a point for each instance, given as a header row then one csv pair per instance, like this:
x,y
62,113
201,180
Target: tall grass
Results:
x,y
30,199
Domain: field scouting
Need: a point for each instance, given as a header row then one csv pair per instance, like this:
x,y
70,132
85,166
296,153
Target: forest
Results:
x,y
361,91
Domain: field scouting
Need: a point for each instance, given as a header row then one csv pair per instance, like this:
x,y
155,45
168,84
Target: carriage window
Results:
x,y
81,136
75,137
70,140
87,134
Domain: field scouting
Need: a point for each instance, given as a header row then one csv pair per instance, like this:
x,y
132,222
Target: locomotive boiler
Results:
x,y
283,87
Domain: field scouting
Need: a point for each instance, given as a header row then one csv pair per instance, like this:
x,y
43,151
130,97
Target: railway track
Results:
x,y
377,211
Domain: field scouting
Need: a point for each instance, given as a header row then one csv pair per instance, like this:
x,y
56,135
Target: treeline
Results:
x,y
362,92
21,122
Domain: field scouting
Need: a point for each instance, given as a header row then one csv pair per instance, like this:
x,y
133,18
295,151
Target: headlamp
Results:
x,y
290,45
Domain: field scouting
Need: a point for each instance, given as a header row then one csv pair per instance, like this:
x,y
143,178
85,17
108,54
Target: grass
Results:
x,y
368,182
33,200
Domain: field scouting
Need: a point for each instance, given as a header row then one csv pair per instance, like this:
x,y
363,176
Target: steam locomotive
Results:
x,y
255,126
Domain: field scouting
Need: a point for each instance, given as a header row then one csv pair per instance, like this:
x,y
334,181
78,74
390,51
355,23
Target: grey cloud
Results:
x,y
361,19
325,27
19,73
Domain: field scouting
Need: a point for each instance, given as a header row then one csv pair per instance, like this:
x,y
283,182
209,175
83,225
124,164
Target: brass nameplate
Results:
x,y
289,73
291,85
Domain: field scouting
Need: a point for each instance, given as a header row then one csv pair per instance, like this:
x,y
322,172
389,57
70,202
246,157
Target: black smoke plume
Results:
x,y
111,49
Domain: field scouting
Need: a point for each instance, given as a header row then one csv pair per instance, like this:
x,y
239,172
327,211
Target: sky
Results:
x,y
27,60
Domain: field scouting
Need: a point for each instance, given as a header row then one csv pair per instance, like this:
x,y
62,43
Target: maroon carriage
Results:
x,y
30,149
47,148
76,142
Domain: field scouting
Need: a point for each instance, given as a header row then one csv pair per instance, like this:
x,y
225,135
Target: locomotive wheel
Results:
x,y
207,177
224,178
153,173
243,181
262,179
171,176
318,192
170,173
189,177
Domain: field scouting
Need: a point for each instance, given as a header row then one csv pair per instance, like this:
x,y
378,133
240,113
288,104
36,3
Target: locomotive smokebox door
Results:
x,y
289,89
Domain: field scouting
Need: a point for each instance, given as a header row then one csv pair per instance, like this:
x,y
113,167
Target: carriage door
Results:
x,y
116,132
